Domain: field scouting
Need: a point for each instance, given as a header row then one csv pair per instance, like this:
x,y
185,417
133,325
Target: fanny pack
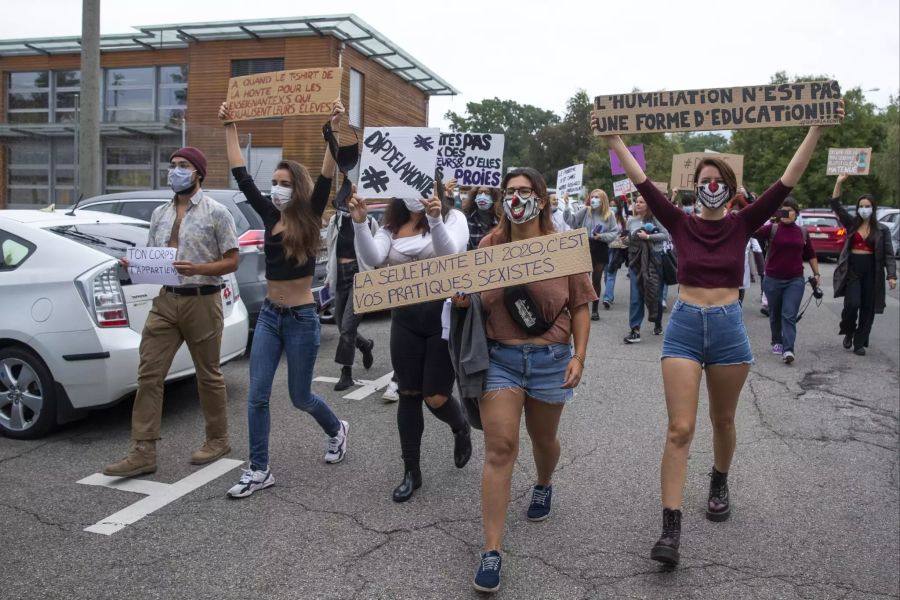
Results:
x,y
526,312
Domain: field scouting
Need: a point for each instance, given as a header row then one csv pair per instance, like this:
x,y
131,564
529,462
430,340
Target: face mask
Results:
x,y
483,201
614,209
595,203
713,194
414,205
181,180
864,211
688,209
521,211
281,196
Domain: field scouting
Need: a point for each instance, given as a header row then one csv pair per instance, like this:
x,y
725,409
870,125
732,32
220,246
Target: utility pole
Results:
x,y
89,151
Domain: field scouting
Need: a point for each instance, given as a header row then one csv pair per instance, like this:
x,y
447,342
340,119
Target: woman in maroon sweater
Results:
x,y
706,329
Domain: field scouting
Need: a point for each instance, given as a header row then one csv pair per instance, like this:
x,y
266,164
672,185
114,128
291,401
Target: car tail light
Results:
x,y
252,240
103,295
841,232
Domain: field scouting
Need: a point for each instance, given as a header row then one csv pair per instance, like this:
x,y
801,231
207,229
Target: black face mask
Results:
x,y
346,158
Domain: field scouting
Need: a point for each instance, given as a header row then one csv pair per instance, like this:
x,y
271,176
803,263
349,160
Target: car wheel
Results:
x,y
326,315
27,395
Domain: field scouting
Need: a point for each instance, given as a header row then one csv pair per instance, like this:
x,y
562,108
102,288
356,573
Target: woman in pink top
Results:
x,y
706,330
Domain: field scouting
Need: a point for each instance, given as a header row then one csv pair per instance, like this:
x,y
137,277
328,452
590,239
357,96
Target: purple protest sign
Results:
x,y
637,151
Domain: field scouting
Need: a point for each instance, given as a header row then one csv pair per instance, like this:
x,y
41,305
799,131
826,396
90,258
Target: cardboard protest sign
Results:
x,y
637,151
661,186
848,161
153,265
438,278
684,165
622,187
473,159
398,162
284,93
568,180
776,105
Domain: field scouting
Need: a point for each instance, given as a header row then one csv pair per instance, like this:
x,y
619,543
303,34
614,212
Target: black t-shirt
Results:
x,y
278,267
346,236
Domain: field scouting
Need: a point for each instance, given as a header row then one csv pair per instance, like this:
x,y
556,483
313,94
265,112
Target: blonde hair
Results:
x,y
605,213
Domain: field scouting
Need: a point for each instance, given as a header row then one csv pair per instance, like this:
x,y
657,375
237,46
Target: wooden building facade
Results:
x,y
162,87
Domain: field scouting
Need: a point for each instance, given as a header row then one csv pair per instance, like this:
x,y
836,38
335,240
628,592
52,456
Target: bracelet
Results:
x,y
579,359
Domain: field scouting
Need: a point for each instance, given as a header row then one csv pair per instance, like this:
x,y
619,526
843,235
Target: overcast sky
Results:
x,y
541,53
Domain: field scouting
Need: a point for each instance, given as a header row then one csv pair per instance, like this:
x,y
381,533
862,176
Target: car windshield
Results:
x,y
819,221
113,239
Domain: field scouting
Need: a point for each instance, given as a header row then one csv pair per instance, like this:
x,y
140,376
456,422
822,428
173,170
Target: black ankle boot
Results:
x,y
462,446
595,310
412,480
346,380
717,506
666,548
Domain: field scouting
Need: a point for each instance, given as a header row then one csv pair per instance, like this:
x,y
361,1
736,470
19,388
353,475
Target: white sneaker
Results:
x,y
390,393
251,481
788,357
337,446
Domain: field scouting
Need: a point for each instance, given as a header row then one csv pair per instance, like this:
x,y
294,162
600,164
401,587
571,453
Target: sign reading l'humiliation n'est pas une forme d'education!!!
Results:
x,y
504,265
284,93
776,105
472,159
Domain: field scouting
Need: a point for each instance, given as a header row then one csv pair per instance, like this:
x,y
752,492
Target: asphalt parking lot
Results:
x,y
814,485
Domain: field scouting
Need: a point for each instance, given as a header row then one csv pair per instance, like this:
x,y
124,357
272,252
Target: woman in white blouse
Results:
x,y
417,229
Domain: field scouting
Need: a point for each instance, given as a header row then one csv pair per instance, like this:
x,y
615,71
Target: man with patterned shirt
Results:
x,y
203,232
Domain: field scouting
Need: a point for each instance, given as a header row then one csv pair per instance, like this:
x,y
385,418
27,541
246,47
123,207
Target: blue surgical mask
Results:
x,y
595,203
689,209
181,180
614,209
483,201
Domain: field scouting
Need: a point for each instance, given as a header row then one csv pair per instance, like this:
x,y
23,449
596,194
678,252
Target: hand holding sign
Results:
x,y
225,114
433,205
337,111
358,209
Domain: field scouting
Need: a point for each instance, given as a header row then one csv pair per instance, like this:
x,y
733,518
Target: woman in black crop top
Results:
x,y
288,320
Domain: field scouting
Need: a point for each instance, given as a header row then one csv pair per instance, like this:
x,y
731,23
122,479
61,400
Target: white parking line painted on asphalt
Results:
x,y
158,494
367,386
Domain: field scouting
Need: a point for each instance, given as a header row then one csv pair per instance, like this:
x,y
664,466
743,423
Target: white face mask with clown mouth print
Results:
x,y
713,195
521,211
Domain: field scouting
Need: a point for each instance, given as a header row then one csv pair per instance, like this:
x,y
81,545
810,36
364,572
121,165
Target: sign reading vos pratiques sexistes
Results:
x,y
489,268
776,105
472,159
284,93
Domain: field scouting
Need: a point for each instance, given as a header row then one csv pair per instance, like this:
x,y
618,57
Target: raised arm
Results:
x,y
329,162
232,144
837,207
372,249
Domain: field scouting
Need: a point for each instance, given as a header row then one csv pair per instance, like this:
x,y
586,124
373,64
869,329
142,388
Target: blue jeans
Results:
x,y
610,293
636,299
784,296
295,330
709,335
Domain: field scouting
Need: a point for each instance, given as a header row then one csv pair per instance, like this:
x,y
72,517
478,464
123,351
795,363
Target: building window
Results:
x,y
67,85
172,93
29,97
28,174
129,166
162,163
129,94
357,84
251,66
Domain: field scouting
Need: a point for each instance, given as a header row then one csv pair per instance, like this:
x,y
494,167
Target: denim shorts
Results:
x,y
539,370
709,335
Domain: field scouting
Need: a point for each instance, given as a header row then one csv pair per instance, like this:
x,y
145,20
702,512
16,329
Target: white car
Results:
x,y
71,320
891,218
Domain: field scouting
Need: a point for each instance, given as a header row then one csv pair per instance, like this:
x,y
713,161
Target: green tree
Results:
x,y
701,141
767,151
886,163
564,144
519,122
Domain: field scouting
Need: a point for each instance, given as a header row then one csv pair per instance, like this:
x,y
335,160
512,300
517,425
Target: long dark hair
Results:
x,y
503,232
873,220
469,206
300,239
397,215
648,214
620,212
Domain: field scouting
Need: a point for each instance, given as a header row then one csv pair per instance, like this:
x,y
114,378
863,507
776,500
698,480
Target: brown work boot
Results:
x,y
210,451
140,459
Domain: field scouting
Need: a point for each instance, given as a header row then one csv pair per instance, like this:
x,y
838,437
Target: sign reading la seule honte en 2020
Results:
x,y
504,265
776,105
284,93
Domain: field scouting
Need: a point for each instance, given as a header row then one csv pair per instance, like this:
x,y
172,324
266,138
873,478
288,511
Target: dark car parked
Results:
x,y
251,274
